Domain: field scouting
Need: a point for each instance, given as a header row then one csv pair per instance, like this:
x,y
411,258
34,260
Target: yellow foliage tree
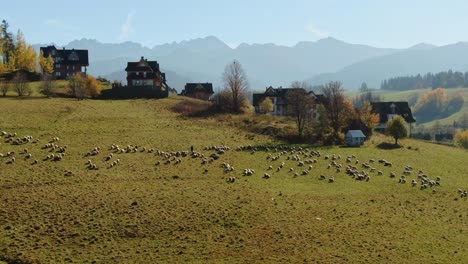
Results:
x,y
93,86
25,55
369,119
267,105
461,139
46,64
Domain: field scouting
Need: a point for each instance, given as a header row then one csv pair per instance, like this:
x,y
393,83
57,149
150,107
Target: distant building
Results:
x,y
201,91
67,61
145,77
355,138
388,110
280,105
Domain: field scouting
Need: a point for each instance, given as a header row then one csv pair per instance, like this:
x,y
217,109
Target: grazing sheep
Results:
x,y
28,156
438,178
414,183
331,180
266,176
322,177
231,179
379,173
34,162
270,167
392,175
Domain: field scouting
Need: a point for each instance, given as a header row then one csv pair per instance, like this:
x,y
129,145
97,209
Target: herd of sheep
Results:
x,y
301,161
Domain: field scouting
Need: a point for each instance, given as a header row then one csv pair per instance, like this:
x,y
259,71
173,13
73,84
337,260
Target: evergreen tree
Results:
x,y
8,45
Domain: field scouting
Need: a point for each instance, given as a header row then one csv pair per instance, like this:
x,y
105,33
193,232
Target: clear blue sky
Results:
x,y
381,23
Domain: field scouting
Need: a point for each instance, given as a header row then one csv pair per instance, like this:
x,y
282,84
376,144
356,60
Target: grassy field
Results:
x,y
407,95
141,212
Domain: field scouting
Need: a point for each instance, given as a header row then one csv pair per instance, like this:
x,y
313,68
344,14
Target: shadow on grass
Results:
x,y
386,145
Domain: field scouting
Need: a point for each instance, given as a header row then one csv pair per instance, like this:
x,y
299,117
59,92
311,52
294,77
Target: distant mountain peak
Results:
x,y
422,46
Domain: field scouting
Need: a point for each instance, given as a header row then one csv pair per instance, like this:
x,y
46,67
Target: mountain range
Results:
x,y
204,60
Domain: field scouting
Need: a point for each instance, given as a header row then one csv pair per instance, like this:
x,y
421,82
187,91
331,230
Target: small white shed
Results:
x,y
355,138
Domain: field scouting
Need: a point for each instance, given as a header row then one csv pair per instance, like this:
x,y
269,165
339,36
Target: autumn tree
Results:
x,y
430,105
299,104
25,55
369,119
21,85
235,81
46,64
461,139
396,128
266,105
93,86
339,111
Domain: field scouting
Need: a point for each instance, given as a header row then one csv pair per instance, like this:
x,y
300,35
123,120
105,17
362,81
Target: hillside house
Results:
x,y
145,77
280,105
202,91
388,110
67,62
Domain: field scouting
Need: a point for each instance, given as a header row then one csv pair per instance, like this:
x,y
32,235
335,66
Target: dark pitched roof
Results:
x,y
399,108
191,88
280,93
68,56
149,65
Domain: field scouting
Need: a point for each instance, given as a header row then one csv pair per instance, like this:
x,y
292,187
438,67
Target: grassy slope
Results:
x,y
48,217
404,95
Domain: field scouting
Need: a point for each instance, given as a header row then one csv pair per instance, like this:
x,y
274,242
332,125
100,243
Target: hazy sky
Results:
x,y
381,23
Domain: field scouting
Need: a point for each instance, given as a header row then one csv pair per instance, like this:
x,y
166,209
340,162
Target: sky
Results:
x,y
379,23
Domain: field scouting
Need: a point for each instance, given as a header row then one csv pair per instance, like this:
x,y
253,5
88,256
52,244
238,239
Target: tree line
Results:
x,y
446,79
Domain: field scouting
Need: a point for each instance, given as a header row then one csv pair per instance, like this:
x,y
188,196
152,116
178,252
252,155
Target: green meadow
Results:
x,y
173,206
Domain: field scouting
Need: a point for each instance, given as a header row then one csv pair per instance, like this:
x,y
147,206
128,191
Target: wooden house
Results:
x,y
202,91
67,61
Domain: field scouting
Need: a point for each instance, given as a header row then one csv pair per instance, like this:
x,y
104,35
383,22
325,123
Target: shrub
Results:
x,y
461,139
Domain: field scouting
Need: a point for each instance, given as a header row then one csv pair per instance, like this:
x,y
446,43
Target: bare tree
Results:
x,y
335,105
235,80
21,85
463,121
4,87
77,84
299,105
47,85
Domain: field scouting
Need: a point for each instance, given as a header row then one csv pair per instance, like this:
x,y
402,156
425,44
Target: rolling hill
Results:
x,y
422,59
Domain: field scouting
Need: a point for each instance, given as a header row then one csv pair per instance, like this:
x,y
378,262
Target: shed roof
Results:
x,y
355,134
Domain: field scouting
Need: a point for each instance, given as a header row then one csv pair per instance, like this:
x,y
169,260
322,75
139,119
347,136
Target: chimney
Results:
x,y
142,57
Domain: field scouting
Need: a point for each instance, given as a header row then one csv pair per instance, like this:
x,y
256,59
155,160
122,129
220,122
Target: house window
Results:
x,y
68,67
57,59
73,67
57,66
58,74
53,52
144,74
